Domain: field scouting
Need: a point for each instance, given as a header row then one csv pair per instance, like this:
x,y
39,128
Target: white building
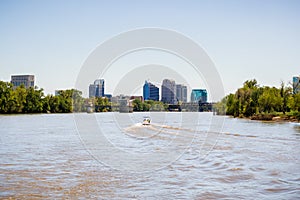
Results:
x,y
26,80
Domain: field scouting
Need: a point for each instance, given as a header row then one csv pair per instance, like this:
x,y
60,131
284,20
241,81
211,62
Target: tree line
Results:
x,y
148,105
253,100
33,100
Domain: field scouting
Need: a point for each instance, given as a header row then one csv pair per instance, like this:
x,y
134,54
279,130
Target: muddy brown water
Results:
x,y
47,157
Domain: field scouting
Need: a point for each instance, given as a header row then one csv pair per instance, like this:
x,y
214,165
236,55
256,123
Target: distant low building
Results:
x,y
26,80
296,84
137,97
57,92
119,97
199,95
125,105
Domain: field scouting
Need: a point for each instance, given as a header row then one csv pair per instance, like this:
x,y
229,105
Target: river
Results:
x,y
178,156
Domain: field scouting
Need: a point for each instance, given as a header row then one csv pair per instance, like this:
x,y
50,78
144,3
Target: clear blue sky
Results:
x,y
245,39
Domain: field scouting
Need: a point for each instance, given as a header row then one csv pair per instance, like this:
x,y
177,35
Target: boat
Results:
x,y
146,121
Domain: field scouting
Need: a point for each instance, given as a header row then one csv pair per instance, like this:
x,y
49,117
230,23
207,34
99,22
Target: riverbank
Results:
x,y
288,117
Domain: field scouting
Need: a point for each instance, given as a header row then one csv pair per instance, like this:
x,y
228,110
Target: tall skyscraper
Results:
x,y
184,94
97,89
26,80
181,93
168,91
199,95
150,91
296,84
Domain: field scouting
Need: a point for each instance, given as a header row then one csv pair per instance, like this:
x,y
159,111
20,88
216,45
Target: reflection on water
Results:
x,y
42,157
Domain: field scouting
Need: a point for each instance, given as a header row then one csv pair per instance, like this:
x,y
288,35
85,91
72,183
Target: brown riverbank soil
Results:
x,y
271,117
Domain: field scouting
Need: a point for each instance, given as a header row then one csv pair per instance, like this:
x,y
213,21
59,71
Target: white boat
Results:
x,y
146,121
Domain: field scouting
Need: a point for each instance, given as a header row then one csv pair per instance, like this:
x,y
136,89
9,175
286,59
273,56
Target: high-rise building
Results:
x,y
296,84
168,91
181,93
26,80
184,94
199,95
150,91
97,89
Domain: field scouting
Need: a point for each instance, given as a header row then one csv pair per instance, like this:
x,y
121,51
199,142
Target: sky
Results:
x,y
244,39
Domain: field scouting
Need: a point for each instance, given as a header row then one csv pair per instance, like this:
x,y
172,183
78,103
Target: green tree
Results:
x,y
230,102
102,104
32,100
146,106
33,103
285,93
5,96
137,105
19,94
155,105
252,99
251,84
54,102
46,104
78,101
65,101
295,104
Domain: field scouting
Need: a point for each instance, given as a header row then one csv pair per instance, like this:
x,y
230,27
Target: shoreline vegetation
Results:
x,y
252,101
262,103
21,100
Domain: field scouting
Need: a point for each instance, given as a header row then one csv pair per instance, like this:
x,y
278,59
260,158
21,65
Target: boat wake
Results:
x,y
157,130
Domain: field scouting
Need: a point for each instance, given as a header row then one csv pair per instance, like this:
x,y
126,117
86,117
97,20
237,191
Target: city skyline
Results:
x,y
246,40
97,89
150,91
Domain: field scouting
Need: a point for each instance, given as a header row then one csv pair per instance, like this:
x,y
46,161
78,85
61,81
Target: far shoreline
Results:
x,y
268,118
